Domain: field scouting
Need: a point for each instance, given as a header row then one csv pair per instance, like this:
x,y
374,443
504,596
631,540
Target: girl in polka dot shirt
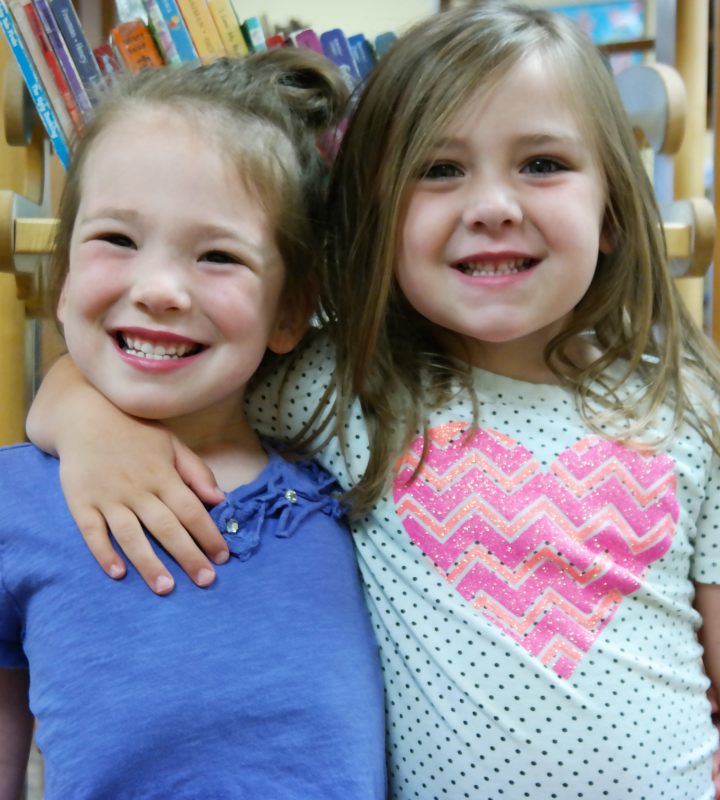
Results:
x,y
521,410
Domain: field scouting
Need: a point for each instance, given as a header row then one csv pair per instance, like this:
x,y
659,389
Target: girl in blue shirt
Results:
x,y
188,235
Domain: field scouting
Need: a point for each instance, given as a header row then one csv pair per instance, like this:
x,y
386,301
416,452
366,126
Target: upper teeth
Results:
x,y
494,267
139,347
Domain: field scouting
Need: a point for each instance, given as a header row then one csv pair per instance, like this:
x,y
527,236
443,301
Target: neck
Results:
x,y
221,436
522,359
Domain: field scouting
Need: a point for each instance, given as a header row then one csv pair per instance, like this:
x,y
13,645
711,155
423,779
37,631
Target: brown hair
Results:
x,y
264,113
387,353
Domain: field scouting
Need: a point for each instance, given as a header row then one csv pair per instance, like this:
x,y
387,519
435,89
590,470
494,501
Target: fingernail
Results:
x,y
163,584
116,571
205,576
221,557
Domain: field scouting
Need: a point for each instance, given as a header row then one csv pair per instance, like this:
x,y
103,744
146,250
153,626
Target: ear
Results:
x,y
606,244
62,302
290,325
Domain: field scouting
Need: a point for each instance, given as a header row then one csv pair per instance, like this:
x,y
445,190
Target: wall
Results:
x,y
370,17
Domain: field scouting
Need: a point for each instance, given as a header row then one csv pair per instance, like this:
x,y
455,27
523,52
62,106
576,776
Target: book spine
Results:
x,y
178,30
136,46
79,48
253,34
202,29
308,39
34,86
105,57
228,27
63,56
163,39
47,66
361,54
336,48
384,42
275,41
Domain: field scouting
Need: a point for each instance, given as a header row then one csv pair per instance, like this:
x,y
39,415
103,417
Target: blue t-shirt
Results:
x,y
265,685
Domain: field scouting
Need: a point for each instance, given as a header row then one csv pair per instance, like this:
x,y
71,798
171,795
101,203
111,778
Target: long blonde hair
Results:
x,y
387,353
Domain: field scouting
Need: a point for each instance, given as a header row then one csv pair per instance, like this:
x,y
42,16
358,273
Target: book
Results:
x,y
128,10
30,30
161,34
228,27
34,85
178,30
107,61
275,41
361,54
253,33
383,43
202,29
135,46
63,56
336,47
79,48
307,38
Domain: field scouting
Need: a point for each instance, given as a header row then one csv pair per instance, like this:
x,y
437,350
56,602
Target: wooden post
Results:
x,y
691,63
12,330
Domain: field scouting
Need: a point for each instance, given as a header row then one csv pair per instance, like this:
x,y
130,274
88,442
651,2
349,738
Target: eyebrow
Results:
x,y
529,139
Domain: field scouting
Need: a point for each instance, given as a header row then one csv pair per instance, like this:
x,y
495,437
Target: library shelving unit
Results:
x,y
30,178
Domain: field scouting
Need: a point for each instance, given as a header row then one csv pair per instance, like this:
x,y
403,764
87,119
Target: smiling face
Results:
x,y
502,231
175,279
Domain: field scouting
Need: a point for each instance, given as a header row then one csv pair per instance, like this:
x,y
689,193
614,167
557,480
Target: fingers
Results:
x,y
197,475
165,527
94,531
193,518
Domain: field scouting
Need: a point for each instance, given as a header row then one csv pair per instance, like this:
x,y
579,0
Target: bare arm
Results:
x,y
121,472
707,602
16,726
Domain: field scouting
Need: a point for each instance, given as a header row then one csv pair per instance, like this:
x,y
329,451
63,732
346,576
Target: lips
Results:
x,y
160,349
503,266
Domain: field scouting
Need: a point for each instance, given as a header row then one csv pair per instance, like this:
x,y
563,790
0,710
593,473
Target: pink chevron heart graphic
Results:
x,y
546,555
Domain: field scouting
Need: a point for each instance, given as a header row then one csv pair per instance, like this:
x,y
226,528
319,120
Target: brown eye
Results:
x,y
118,240
219,257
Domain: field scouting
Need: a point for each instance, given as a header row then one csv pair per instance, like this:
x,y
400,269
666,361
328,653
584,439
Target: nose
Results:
x,y
159,287
492,203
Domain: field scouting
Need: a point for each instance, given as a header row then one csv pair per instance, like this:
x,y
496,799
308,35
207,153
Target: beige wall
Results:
x,y
370,17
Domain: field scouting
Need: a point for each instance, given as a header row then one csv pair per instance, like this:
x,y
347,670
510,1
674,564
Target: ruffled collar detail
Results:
x,y
285,491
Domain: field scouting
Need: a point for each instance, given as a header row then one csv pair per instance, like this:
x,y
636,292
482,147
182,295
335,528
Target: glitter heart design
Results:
x,y
546,555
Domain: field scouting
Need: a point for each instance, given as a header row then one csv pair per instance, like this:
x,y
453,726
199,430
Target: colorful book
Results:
x,y
128,10
202,29
63,56
383,43
307,38
275,41
178,30
108,63
228,27
135,45
161,34
336,47
253,34
80,51
361,54
34,85
46,66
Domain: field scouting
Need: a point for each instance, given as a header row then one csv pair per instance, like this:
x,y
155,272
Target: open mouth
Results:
x,y
483,268
158,351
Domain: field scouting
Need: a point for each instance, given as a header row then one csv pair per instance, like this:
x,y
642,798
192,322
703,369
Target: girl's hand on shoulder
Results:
x,y
122,473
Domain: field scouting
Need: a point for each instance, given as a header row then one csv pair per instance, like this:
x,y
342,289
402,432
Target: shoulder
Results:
x,y
18,462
